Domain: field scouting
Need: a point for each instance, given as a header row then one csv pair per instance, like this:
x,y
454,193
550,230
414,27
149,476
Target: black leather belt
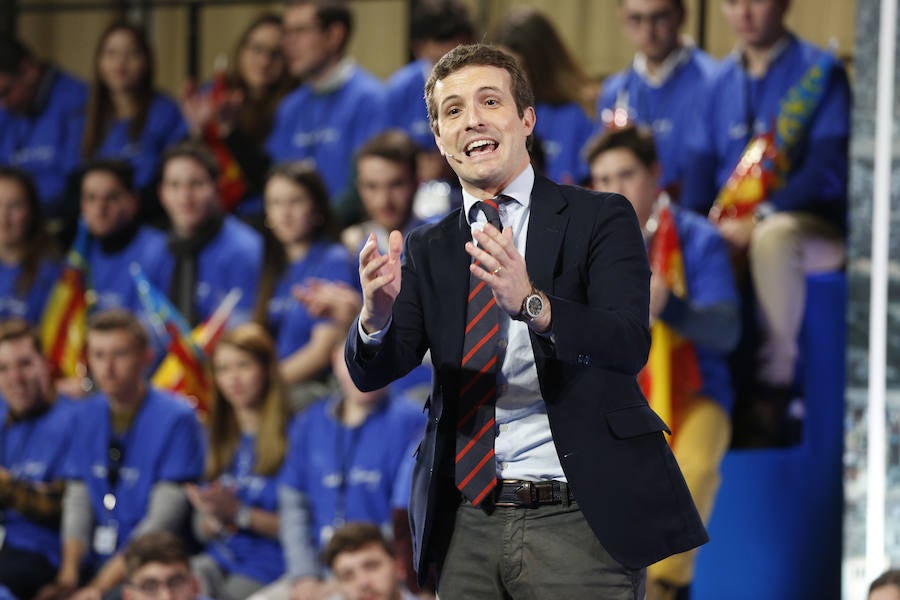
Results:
x,y
516,493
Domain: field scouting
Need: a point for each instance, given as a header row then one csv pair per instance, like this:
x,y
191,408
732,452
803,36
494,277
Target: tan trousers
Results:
x,y
784,248
703,437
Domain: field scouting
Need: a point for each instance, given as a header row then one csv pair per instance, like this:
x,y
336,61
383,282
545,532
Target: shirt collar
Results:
x,y
340,75
519,189
669,65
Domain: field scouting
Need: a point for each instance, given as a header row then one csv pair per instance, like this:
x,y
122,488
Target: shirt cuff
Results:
x,y
374,338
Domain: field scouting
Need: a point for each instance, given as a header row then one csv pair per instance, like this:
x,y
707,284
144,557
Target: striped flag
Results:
x,y
185,367
765,162
672,373
64,323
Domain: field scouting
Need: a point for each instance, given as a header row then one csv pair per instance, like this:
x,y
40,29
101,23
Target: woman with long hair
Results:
x,y
28,268
298,249
235,112
563,127
236,510
127,117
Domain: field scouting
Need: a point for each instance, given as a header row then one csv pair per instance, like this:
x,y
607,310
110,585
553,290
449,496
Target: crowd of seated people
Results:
x,y
268,179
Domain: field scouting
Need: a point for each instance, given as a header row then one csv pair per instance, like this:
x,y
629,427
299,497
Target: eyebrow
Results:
x,y
481,90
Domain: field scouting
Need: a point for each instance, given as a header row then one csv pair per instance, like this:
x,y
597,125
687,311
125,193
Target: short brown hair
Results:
x,y
393,146
16,328
352,537
157,547
119,319
637,140
195,150
331,12
478,55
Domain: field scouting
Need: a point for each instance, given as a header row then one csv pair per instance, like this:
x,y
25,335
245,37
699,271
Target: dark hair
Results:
x,y
678,5
37,242
441,20
532,38
889,577
156,547
331,12
352,537
12,53
393,145
256,114
120,169
100,113
16,328
478,55
119,319
637,140
195,150
275,261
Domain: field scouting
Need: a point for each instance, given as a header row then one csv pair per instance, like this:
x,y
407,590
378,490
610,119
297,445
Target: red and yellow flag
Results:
x,y
64,322
672,373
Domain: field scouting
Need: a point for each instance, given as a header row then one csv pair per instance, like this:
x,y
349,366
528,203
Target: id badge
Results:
x,y
105,538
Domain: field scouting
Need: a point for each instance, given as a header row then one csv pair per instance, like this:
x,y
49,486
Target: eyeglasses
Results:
x,y
153,587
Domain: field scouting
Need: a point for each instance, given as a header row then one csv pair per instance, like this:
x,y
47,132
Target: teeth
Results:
x,y
478,144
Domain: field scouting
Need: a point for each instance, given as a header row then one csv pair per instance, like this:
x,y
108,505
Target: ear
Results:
x,y
529,119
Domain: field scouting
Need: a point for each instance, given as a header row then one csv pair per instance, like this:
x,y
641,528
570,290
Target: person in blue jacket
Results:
x,y
35,433
126,117
660,88
435,28
28,264
236,510
210,254
800,227
339,105
109,209
624,161
41,121
563,126
345,463
134,448
299,247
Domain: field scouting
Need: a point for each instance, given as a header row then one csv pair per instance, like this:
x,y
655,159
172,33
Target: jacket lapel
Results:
x,y
450,262
546,229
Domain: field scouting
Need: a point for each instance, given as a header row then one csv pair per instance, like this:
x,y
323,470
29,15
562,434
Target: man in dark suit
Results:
x,y
583,491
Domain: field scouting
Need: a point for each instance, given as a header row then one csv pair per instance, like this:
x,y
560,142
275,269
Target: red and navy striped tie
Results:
x,y
476,470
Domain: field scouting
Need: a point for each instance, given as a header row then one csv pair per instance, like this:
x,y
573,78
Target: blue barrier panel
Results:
x,y
776,527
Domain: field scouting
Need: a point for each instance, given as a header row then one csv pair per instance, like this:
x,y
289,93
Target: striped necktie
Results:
x,y
476,471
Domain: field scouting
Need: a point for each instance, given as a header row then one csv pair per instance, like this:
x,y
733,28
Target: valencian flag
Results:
x,y
185,368
765,162
232,186
64,322
672,373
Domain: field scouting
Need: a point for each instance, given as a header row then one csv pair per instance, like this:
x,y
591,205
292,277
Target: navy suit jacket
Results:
x,y
585,251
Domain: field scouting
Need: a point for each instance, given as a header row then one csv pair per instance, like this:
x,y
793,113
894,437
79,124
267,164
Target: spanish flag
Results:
x,y
672,373
64,323
765,162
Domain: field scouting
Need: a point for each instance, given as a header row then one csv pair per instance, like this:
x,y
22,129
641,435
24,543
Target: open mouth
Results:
x,y
482,146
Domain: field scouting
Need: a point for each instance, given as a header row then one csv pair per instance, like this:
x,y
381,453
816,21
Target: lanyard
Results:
x,y
347,453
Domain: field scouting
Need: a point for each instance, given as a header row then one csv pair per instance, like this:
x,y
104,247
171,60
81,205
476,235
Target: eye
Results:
x,y
453,111
491,102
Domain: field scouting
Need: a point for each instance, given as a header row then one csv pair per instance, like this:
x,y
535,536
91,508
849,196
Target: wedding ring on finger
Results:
x,y
497,270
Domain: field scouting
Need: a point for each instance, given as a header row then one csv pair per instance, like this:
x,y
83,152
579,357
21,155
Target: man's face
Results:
x,y
15,215
480,130
156,581
188,194
619,171
652,26
106,205
369,573
756,23
387,190
308,47
24,375
117,361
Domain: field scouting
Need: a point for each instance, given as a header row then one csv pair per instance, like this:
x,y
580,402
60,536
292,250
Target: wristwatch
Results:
x,y
532,307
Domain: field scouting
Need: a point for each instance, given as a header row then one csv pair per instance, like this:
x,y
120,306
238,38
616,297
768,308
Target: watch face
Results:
x,y
534,305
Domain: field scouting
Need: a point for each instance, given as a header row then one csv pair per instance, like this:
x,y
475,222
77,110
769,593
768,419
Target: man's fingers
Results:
x,y
395,245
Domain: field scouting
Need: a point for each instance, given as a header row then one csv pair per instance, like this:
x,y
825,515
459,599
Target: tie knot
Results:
x,y
491,209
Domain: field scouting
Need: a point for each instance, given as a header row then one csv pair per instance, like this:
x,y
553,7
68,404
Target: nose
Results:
x,y
474,119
